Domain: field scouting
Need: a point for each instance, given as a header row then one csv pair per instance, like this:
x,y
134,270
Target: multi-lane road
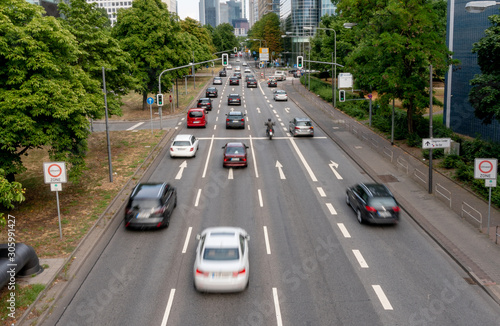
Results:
x,y
311,263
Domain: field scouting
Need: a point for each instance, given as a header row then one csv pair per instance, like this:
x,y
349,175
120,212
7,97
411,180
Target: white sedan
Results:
x,y
280,95
184,146
221,263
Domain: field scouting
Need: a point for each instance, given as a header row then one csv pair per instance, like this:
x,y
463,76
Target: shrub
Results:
x,y
450,161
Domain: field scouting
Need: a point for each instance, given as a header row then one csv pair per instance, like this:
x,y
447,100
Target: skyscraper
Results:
x,y
210,12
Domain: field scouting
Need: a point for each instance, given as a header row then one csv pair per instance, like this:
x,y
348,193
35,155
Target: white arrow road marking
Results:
x,y
360,258
182,167
332,165
230,175
279,166
287,110
381,296
308,168
331,209
344,231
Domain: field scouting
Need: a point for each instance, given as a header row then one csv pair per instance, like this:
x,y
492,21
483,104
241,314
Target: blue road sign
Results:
x,y
150,100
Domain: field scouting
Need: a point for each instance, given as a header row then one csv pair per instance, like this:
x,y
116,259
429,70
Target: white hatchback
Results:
x,y
184,146
221,263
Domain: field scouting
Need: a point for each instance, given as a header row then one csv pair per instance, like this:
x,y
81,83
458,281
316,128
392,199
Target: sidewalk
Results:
x,y
454,217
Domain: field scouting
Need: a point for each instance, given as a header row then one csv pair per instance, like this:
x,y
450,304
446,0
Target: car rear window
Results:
x,y
382,202
196,114
235,150
144,203
221,254
182,143
304,123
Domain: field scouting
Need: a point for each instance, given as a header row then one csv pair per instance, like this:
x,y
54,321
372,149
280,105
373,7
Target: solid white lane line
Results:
x,y
260,198
277,307
186,242
359,257
331,209
343,229
381,296
266,238
308,168
321,192
208,156
197,201
169,306
253,156
135,126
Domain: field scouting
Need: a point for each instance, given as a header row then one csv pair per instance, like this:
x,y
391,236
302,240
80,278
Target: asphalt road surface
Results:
x,y
311,262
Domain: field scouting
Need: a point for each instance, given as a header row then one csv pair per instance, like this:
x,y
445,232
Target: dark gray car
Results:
x,y
373,203
235,119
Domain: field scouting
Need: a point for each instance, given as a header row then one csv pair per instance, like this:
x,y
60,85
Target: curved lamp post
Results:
x,y
476,7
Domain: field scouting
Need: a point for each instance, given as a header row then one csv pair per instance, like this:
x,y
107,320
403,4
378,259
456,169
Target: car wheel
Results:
x,y
358,215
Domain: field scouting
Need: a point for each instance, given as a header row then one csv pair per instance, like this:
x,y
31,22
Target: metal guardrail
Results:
x,y
438,187
480,220
403,163
389,153
423,178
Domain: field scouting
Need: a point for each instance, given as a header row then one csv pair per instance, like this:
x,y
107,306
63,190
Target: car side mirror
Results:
x,y
198,237
247,237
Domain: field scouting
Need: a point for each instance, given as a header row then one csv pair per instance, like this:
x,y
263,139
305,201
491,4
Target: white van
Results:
x,y
280,75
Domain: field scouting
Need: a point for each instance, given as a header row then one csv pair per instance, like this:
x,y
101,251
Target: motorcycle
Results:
x,y
270,134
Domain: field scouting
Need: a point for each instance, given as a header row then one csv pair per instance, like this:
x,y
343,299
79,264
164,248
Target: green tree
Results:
x,y
10,192
224,38
396,43
200,39
44,99
154,39
267,29
485,93
98,49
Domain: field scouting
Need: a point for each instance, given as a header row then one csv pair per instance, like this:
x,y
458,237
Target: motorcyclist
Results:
x,y
269,126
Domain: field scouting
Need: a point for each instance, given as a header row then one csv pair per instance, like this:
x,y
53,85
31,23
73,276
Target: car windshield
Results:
x,y
304,123
235,150
144,203
182,143
221,254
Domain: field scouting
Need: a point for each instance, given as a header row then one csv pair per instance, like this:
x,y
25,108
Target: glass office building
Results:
x,y
464,29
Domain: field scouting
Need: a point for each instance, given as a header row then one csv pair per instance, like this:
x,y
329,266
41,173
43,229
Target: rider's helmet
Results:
x,y
269,119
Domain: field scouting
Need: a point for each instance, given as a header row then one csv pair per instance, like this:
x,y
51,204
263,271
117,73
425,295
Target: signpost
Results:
x,y
486,168
55,174
150,101
345,80
433,143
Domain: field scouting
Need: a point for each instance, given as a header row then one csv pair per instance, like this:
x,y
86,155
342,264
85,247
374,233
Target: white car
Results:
x,y
184,146
244,64
280,95
237,68
229,67
248,71
221,263
217,81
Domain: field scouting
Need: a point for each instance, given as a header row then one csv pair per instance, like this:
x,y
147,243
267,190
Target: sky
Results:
x,y
188,8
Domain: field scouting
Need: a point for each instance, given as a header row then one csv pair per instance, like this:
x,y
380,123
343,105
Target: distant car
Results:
x,y
237,68
247,77
150,205
235,154
229,67
184,146
237,74
373,203
247,71
244,64
235,119
218,80
222,73
280,95
234,99
196,118
211,92
222,263
251,82
272,83
237,60
205,103
280,75
234,81
301,127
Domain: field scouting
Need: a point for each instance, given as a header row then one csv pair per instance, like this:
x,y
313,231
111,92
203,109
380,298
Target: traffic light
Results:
x,y
159,99
235,49
300,62
224,59
342,96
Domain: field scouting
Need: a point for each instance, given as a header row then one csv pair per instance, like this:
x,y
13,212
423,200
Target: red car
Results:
x,y
197,118
235,154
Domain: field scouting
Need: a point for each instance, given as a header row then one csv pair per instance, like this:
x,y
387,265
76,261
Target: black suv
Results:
x,y
233,99
234,81
222,73
205,103
251,82
373,202
150,206
211,92
272,83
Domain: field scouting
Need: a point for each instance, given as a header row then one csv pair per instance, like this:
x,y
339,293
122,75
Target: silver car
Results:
x,y
217,81
280,95
301,127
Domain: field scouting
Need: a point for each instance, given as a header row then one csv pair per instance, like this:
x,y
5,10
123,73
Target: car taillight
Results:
x,y
244,159
396,209
242,120
370,209
311,127
191,149
297,127
243,271
171,149
198,272
159,210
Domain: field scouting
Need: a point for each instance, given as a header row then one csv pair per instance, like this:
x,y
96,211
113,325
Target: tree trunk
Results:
x,y
144,100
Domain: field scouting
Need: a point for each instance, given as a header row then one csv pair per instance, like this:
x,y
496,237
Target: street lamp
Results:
x,y
476,7
334,82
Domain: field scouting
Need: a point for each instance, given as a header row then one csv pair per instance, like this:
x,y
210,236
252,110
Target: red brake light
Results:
x,y
242,119
396,209
198,272
171,149
191,149
297,127
243,271
370,209
227,119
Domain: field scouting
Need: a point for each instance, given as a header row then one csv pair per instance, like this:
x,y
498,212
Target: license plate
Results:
x,y
236,120
143,215
235,159
384,214
219,275
196,122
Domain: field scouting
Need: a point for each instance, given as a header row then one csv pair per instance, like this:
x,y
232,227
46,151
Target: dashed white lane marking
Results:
x,y
321,192
331,209
197,201
359,257
260,198
344,231
169,306
381,296
230,174
135,126
277,307
266,239
186,242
